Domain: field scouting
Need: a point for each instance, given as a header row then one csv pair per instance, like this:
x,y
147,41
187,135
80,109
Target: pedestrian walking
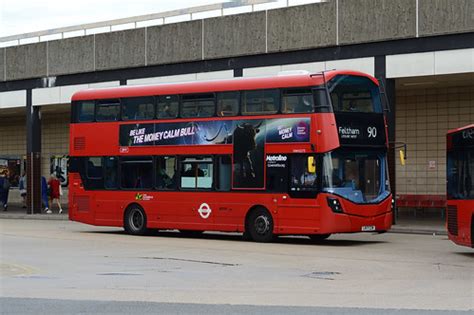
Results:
x,y
55,191
44,194
4,189
22,187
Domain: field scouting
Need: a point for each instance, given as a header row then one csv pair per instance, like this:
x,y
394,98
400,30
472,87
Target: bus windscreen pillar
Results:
x,y
33,149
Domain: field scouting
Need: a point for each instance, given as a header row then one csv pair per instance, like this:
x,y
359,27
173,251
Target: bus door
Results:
x,y
296,204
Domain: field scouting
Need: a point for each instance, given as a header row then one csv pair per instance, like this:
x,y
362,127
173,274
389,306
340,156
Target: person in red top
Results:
x,y
55,192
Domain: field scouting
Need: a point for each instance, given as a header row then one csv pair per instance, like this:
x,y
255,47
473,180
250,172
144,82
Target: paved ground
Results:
x,y
54,259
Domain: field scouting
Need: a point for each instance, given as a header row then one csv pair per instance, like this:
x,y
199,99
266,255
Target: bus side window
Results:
x,y
94,168
228,103
138,108
198,105
111,172
297,101
107,110
85,111
197,173
167,106
166,175
137,172
224,173
261,102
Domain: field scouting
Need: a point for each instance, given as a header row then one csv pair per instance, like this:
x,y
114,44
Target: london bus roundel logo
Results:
x,y
204,210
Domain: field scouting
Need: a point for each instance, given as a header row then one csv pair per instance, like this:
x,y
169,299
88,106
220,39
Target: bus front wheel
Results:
x,y
259,225
135,220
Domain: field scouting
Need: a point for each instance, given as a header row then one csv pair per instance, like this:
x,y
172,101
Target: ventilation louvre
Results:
x,y
452,216
79,143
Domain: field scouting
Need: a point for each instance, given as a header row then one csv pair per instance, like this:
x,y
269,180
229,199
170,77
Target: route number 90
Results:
x,y
372,131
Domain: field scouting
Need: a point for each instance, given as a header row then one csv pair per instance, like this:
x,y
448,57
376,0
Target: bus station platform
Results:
x,y
405,224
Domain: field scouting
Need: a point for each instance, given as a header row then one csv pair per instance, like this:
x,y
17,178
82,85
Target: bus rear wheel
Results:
x,y
135,220
319,237
259,225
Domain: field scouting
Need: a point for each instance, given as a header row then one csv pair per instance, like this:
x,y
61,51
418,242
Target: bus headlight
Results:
x,y
335,205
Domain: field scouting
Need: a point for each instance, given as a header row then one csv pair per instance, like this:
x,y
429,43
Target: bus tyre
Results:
x,y
317,238
135,220
260,225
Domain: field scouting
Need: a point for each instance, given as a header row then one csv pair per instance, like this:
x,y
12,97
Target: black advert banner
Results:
x,y
361,129
463,138
214,132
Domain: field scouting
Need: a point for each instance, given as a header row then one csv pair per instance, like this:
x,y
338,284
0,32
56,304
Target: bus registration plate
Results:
x,y
367,228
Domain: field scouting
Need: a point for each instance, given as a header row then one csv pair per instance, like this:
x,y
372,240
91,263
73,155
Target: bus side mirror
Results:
x,y
311,165
402,158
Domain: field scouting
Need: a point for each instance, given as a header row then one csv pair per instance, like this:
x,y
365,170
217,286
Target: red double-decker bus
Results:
x,y
460,190
291,154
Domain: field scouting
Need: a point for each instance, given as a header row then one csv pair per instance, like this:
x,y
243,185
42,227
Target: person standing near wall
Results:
x,y
55,191
22,188
44,194
4,189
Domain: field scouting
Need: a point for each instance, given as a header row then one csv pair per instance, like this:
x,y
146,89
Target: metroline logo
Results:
x,y
276,158
204,210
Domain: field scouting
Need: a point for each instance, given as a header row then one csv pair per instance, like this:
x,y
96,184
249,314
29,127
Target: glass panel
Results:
x,y
196,173
297,101
111,169
166,176
228,103
301,178
356,175
354,94
460,174
224,169
137,173
108,110
261,102
167,106
86,111
202,105
94,167
138,108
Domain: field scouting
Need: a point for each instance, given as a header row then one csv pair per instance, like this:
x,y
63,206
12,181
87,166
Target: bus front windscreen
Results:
x,y
460,174
359,176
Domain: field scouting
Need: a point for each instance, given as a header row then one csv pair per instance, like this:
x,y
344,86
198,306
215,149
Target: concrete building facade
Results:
x,y
422,51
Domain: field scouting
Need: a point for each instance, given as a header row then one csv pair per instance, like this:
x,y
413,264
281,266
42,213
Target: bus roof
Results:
x,y
460,129
280,81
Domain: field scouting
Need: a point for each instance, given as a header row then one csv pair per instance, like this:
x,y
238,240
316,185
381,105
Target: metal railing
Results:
x,y
134,22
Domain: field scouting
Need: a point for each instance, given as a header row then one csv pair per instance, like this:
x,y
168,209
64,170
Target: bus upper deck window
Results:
x,y
167,106
138,108
85,111
261,102
350,93
107,110
198,105
297,101
228,103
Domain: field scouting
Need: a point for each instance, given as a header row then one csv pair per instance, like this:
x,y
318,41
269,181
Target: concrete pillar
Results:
x,y
33,155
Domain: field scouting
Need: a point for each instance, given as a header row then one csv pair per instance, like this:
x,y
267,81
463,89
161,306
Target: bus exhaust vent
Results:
x,y
452,216
79,143
82,203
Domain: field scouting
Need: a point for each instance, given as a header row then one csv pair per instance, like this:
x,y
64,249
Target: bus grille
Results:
x,y
452,215
79,143
82,203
